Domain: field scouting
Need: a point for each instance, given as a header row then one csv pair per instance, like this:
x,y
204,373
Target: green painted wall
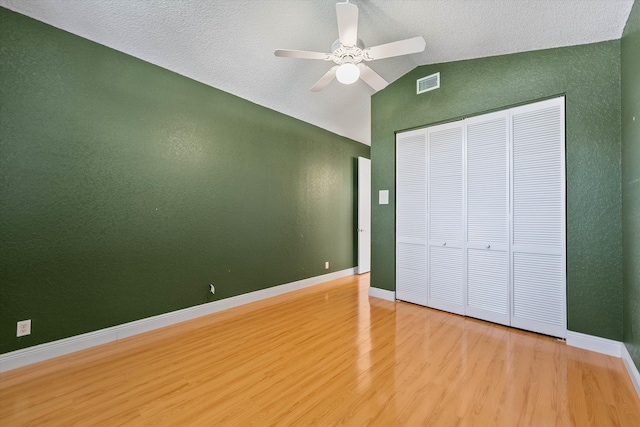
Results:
x,y
126,189
589,75
631,181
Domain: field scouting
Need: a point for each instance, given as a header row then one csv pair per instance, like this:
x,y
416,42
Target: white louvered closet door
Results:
x,y
538,205
445,217
411,228
487,192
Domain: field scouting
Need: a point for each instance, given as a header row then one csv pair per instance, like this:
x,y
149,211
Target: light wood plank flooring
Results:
x,y
325,355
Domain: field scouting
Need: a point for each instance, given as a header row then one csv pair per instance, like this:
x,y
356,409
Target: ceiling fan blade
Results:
x,y
304,54
372,78
324,80
402,47
347,23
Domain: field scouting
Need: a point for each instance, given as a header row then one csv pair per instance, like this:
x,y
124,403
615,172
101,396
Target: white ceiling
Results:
x,y
229,45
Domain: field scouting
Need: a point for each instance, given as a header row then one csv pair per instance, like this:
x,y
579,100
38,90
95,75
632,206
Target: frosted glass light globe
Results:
x,y
348,73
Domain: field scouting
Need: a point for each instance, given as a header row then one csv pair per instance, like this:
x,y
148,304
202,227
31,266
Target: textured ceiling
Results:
x,y
229,45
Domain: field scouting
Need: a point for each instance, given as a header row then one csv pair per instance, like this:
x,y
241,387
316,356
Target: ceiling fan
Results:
x,y
349,53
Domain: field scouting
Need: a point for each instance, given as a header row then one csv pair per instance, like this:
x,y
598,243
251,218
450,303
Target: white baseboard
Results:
x,y
593,343
609,347
631,369
38,353
382,294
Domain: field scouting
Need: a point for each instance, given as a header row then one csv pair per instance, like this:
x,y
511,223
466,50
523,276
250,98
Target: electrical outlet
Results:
x,y
212,288
24,328
326,265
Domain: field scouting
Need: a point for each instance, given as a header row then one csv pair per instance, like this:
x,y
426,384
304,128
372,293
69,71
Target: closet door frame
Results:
x,y
539,324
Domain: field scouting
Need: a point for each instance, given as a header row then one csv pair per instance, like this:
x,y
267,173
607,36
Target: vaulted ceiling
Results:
x,y
229,44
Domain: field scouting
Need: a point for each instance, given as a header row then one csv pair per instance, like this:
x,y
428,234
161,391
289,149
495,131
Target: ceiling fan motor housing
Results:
x,y
341,54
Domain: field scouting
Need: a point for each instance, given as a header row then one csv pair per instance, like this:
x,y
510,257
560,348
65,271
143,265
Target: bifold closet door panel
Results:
x,y
487,220
411,217
538,205
445,171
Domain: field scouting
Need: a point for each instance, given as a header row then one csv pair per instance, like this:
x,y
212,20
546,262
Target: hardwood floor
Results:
x,y
325,355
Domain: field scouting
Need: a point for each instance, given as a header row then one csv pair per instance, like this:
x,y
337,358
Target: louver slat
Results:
x,y
410,192
445,184
412,273
488,283
487,189
446,275
538,196
539,288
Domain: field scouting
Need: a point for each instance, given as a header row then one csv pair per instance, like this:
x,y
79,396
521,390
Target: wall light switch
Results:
x,y
383,197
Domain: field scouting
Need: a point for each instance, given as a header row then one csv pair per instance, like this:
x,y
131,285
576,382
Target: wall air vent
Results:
x,y
428,83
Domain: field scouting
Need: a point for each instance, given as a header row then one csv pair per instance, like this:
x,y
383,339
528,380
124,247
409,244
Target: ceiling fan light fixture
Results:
x,y
348,73
348,52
